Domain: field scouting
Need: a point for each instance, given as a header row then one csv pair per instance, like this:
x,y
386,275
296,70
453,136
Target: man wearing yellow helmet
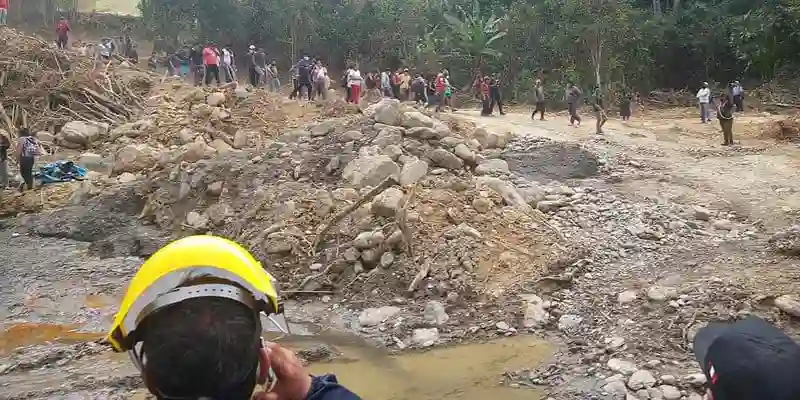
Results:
x,y
190,321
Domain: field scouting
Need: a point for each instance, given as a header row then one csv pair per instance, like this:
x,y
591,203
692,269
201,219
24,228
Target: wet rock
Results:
x,y
435,313
641,379
387,259
83,133
492,166
535,316
788,304
368,240
387,202
414,119
317,353
669,392
374,316
370,170
627,296
723,225
445,159
215,99
661,293
350,136
241,139
621,366
701,213
482,205
389,114
413,171
134,158
425,337
569,322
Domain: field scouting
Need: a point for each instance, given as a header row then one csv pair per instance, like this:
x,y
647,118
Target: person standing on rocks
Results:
x,y
28,149
486,96
573,98
261,66
196,61
321,81
62,33
5,145
191,323
495,94
303,68
386,83
405,85
599,109
703,98
273,82
538,92
748,360
211,64
228,64
354,82
725,116
418,89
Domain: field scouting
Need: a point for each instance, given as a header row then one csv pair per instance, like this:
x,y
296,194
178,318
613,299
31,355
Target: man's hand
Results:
x,y
293,383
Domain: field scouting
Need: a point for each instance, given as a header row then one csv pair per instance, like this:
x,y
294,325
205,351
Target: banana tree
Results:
x,y
475,37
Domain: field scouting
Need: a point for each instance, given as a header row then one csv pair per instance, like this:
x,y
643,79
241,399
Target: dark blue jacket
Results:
x,y
326,387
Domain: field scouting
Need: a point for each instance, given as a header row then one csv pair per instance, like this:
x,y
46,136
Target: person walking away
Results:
x,y
405,85
738,96
418,89
252,72
538,92
354,82
495,94
304,77
725,116
211,64
386,83
228,64
321,81
703,98
3,12
486,96
27,150
573,98
5,145
273,82
62,33
599,109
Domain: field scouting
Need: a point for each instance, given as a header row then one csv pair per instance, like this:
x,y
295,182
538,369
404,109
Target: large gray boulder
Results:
x,y
370,170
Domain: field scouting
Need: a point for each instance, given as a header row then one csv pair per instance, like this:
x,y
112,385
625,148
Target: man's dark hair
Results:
x,y
202,347
24,132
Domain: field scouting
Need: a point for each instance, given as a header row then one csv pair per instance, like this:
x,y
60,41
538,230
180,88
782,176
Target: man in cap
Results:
x,y
737,91
538,92
704,98
190,321
748,360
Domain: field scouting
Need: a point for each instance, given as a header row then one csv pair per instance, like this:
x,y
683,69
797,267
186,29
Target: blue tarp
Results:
x,y
60,171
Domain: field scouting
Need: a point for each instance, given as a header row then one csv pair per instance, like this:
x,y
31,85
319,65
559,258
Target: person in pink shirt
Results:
x,y
3,12
211,62
62,33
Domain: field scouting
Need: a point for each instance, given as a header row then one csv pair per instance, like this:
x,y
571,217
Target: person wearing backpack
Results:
x,y
28,149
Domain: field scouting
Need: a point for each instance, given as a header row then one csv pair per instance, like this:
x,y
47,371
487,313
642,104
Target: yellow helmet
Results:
x,y
192,267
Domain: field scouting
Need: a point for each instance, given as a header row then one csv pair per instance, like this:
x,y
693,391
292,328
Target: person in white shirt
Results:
x,y
228,64
320,80
703,97
354,82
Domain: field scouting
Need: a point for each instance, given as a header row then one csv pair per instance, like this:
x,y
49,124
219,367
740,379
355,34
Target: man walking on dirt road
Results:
x,y
3,12
725,116
538,92
573,96
62,33
737,91
703,98
599,110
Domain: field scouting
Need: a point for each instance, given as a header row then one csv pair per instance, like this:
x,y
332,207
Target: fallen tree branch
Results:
x,y
402,220
387,183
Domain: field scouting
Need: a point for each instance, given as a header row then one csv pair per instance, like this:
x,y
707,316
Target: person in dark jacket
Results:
x,y
599,109
5,145
538,92
27,150
725,115
573,97
494,87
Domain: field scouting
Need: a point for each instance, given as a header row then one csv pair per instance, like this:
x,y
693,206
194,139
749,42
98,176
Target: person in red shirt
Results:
x,y
62,33
3,12
211,62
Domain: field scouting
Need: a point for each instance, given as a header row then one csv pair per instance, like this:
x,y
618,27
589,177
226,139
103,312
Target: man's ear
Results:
x,y
263,366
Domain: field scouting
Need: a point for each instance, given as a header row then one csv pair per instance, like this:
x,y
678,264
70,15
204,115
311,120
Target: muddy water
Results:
x,y
467,372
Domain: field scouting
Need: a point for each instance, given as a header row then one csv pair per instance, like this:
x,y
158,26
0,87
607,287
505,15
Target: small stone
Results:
x,y
387,259
536,314
482,205
661,293
413,171
445,159
215,189
616,388
464,153
642,394
697,380
425,337
435,313
350,136
215,99
641,379
374,316
393,151
788,304
492,166
126,177
240,139
621,366
502,326
368,240
387,202
315,267
655,394
723,225
667,379
569,322
701,213
627,296
196,220
615,342
670,392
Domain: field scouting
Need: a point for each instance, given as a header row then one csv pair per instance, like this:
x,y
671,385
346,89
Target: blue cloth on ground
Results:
x,y
60,171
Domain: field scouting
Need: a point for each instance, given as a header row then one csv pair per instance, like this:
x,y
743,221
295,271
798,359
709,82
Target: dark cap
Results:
x,y
749,360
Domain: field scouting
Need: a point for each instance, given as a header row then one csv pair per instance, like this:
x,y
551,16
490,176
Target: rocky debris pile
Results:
x,y
390,204
44,87
787,129
787,241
